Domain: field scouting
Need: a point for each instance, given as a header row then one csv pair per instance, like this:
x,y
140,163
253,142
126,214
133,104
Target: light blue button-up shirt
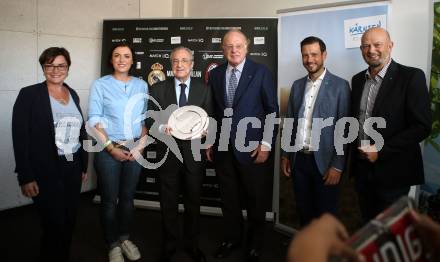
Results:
x,y
119,106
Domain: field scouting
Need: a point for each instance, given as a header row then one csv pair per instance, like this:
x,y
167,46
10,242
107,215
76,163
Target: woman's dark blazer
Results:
x,y
33,135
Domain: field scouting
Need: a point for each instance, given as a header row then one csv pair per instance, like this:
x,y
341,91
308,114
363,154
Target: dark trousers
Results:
x,y
313,198
247,181
173,174
373,197
57,205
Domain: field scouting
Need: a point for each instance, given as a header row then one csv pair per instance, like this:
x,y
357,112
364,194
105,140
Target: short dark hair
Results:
x,y
110,55
51,53
313,39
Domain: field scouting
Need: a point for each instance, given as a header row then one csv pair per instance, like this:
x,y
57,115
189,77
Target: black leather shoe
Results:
x,y
166,256
225,249
165,259
197,255
253,256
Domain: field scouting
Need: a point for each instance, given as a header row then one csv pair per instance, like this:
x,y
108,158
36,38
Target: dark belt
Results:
x,y
121,144
305,151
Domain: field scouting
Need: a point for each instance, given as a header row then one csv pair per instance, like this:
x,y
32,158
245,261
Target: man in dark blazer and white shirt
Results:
x,y
399,95
317,167
247,89
181,90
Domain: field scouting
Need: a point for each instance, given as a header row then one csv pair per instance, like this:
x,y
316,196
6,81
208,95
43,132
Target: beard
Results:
x,y
376,63
314,70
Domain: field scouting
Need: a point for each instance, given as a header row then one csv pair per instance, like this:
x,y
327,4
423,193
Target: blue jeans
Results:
x,y
117,181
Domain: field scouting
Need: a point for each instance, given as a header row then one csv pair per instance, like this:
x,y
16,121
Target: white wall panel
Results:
x,y
244,8
156,9
85,54
411,32
82,18
18,15
10,194
19,61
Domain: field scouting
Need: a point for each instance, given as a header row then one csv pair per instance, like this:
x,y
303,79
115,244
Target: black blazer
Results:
x,y
164,93
33,135
403,101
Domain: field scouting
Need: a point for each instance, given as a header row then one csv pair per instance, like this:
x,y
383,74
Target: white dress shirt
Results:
x,y
304,131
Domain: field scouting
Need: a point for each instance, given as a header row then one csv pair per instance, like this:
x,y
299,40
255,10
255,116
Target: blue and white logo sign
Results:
x,y
354,28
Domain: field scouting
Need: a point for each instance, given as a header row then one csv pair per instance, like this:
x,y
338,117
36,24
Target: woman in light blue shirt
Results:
x,y
117,104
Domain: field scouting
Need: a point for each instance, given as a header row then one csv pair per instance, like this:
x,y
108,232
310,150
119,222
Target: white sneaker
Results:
x,y
130,250
115,255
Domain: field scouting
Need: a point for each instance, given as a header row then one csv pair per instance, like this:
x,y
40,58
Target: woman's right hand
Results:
x,y
30,189
119,154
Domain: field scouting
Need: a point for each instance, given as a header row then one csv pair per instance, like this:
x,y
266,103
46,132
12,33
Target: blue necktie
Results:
x,y
232,86
182,98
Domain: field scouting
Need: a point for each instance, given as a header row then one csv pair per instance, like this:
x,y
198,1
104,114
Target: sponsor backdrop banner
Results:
x,y
153,41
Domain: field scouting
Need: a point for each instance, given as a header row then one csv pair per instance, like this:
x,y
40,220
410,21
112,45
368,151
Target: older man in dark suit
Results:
x,y
181,90
397,94
242,89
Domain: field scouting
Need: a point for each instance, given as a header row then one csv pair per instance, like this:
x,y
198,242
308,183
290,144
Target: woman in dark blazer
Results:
x,y
47,132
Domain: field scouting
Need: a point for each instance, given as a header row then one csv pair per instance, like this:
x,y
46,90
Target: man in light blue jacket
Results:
x,y
317,101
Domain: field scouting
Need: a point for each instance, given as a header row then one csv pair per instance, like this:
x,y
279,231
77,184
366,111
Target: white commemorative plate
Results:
x,y
188,122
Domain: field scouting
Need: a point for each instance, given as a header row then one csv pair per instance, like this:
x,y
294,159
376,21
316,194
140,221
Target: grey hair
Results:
x,y
182,48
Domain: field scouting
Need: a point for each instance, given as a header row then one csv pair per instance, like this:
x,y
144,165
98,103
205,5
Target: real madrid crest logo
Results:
x,y
156,75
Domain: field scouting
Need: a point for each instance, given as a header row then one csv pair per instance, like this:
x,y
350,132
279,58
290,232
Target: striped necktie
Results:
x,y
232,86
